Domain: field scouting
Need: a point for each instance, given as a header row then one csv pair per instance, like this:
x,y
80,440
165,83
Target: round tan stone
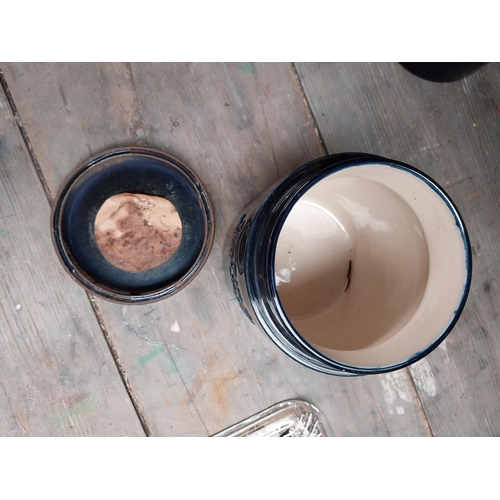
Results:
x,y
137,232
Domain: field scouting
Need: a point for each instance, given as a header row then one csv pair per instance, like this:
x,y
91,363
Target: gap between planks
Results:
x,y
324,149
94,306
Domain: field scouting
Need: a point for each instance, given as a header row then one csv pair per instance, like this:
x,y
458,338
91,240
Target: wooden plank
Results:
x,y
193,361
57,377
451,132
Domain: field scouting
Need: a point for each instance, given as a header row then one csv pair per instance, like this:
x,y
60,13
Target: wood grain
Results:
x,y
57,376
194,362
451,132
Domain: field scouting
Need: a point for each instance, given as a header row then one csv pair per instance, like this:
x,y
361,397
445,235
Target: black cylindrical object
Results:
x,y
443,71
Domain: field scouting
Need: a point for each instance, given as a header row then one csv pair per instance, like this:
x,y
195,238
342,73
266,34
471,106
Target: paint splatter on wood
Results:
x,y
150,355
423,377
396,388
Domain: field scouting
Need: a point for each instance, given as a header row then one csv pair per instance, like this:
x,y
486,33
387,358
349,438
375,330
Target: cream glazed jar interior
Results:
x,y
371,265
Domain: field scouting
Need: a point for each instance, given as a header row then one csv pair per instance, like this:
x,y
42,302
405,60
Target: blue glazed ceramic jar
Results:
x,y
353,264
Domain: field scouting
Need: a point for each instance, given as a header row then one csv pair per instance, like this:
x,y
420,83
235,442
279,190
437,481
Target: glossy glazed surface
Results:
x,y
370,265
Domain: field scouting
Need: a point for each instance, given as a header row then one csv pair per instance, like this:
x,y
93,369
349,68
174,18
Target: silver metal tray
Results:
x,y
292,418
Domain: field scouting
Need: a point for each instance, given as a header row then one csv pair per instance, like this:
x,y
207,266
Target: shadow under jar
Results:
x,y
353,264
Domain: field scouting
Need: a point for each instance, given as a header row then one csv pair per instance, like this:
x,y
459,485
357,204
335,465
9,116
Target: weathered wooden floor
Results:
x,y
71,364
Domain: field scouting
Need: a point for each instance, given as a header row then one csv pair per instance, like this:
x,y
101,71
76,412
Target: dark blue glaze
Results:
x,y
132,170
